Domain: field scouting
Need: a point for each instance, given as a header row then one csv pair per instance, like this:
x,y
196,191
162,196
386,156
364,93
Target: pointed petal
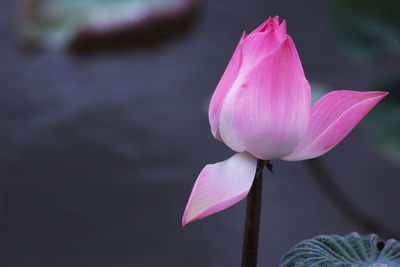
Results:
x,y
269,24
266,26
223,88
220,186
281,30
332,118
244,35
266,112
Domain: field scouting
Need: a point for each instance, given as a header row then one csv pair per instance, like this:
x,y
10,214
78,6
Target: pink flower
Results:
x,y
261,109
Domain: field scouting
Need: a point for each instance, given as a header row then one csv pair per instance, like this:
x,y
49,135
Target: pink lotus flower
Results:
x,y
261,109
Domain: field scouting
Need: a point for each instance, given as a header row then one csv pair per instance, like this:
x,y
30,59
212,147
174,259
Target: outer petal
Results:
x,y
332,118
250,50
219,186
224,85
266,112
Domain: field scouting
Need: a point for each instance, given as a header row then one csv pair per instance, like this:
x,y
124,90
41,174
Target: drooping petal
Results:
x,y
266,112
332,118
220,186
224,85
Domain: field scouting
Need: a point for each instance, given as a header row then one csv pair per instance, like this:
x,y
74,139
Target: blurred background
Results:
x,y
104,130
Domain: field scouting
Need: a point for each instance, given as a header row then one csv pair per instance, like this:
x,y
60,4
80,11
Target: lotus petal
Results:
x,y
220,186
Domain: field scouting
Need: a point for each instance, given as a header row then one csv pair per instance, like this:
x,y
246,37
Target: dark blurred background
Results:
x,y
100,146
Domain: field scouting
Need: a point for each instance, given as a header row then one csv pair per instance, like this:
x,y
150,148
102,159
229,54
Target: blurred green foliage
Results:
x,y
383,122
367,28
318,90
56,23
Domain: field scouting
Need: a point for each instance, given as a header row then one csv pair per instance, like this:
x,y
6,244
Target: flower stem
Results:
x,y
252,224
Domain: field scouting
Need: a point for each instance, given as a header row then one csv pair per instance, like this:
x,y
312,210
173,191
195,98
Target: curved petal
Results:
x,y
224,85
266,112
332,118
220,186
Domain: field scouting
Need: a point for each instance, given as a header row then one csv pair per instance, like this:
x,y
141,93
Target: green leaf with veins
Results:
x,y
351,250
